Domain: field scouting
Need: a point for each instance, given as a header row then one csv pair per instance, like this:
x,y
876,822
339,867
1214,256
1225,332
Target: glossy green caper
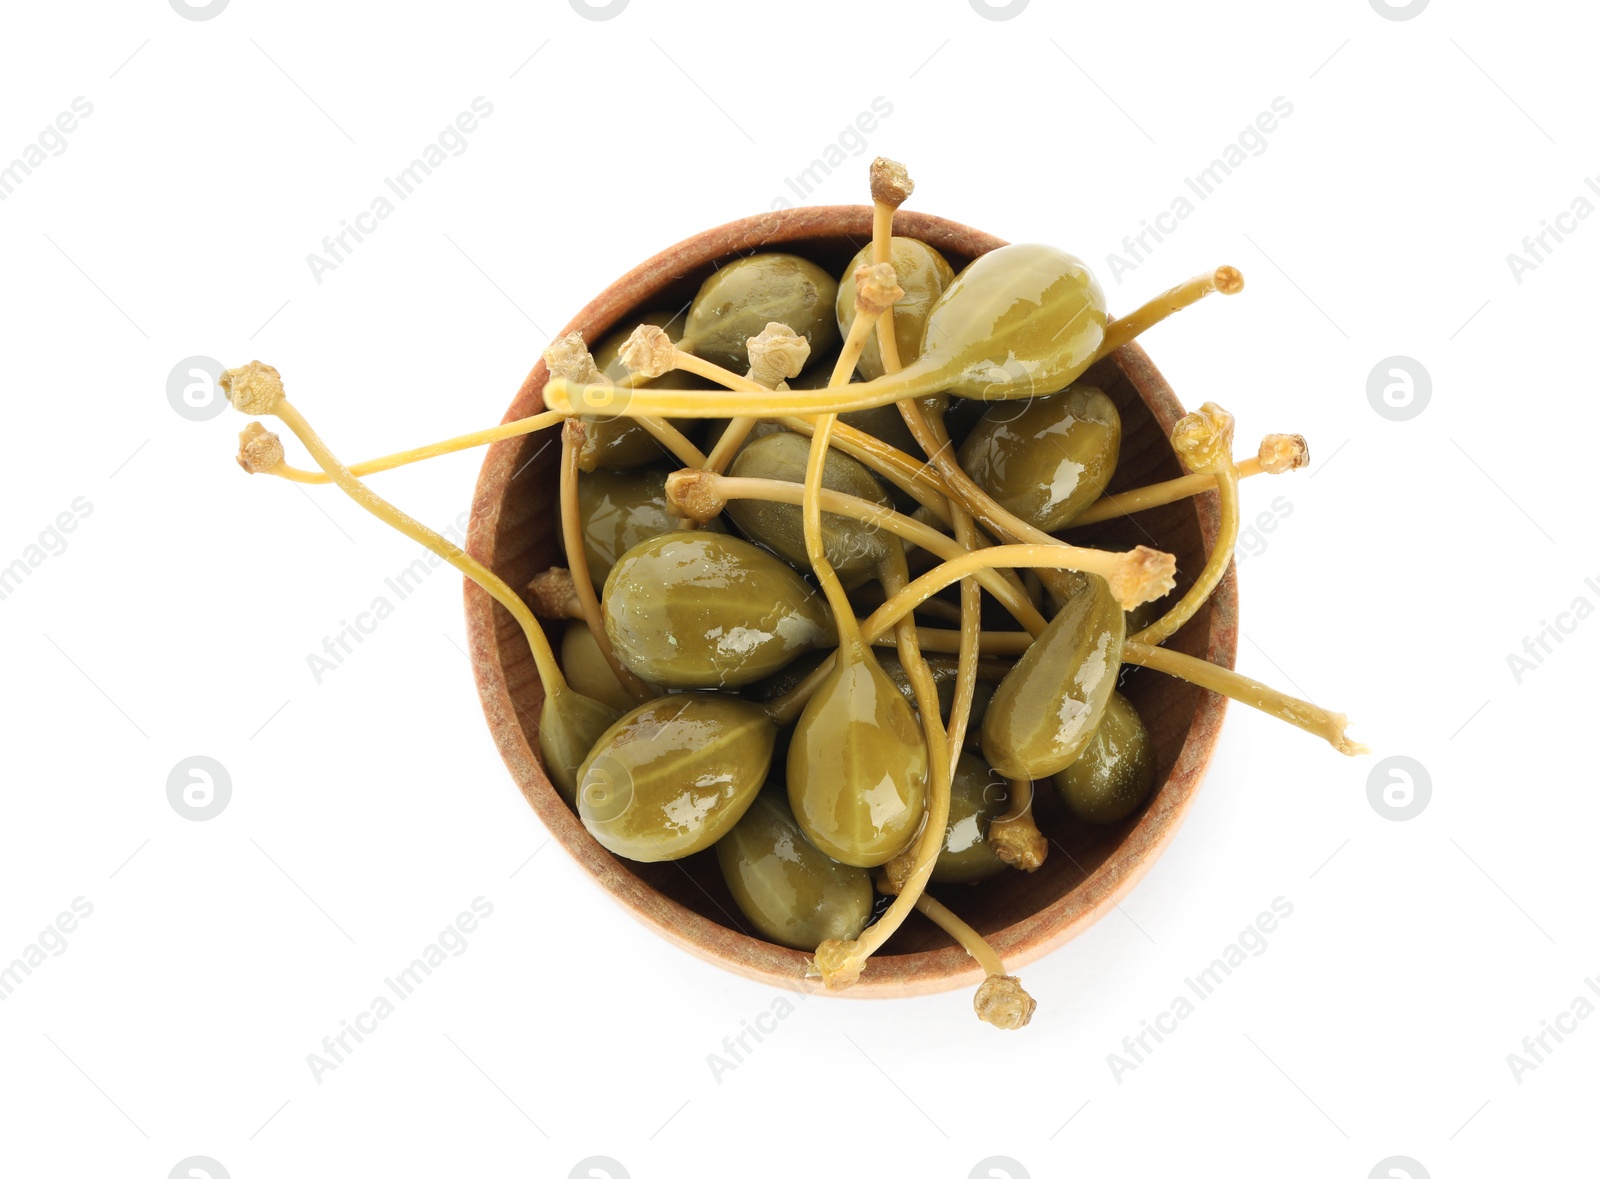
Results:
x,y
857,765
569,726
587,671
854,549
741,298
792,893
701,610
621,442
1045,711
922,273
1114,773
1047,459
618,509
978,795
674,775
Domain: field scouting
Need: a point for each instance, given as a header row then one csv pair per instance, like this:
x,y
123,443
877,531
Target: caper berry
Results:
x,y
977,796
855,550
1111,777
792,893
743,297
923,274
674,775
1046,460
1045,711
699,610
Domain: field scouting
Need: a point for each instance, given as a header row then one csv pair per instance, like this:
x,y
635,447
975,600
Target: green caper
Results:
x,y
792,893
857,766
569,726
1115,771
1048,459
922,273
620,442
977,796
854,549
700,610
743,297
586,668
1045,711
618,509
674,775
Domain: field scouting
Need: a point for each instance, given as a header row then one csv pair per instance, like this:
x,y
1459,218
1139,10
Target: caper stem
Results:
x,y
543,657
1124,329
948,642
388,462
1132,575
1330,726
842,962
672,439
839,504
733,437
882,248
920,379
1014,835
1216,565
578,562
1155,495
964,935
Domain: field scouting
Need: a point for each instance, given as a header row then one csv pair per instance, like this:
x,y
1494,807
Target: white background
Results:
x,y
369,809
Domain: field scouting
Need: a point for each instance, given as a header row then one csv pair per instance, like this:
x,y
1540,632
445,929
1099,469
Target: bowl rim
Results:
x,y
924,972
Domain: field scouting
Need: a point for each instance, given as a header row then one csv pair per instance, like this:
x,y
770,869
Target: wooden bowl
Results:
x,y
514,530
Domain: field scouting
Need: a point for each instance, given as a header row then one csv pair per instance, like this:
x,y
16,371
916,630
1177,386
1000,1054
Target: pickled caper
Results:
x,y
699,610
1045,711
923,274
792,893
857,767
619,509
1048,459
743,297
587,670
674,775
854,549
1111,777
977,796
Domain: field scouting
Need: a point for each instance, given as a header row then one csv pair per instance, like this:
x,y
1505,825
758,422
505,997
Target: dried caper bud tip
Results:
x,y
877,288
1001,1001
693,494
552,594
1023,846
891,183
569,358
776,355
838,964
1228,280
252,388
259,449
1283,452
1142,574
649,352
1203,439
